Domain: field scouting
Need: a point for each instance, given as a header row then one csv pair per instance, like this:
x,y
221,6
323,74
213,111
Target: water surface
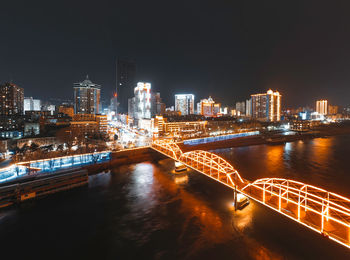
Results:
x,y
145,211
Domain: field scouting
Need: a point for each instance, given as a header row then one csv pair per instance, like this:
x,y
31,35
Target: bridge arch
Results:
x,y
320,210
168,147
311,193
213,165
323,211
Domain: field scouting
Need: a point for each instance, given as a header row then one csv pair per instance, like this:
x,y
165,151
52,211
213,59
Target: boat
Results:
x,y
242,201
179,167
279,140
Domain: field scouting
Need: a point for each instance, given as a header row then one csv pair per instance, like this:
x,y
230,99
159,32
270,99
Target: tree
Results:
x,y
65,136
34,147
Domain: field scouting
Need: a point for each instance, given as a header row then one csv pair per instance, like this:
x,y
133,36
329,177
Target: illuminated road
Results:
x,y
130,137
52,164
322,211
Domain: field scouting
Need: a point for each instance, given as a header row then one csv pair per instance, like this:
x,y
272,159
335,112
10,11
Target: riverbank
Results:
x,y
129,156
272,138
40,184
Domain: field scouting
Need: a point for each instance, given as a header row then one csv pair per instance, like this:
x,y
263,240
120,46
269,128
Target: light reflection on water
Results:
x,y
320,161
146,211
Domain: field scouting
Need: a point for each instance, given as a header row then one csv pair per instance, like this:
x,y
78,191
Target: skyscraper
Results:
x,y
184,103
322,107
157,106
140,105
240,108
11,99
126,80
248,107
86,97
267,106
206,107
114,103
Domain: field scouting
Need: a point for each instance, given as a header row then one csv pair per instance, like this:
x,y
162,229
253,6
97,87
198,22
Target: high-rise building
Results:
x,y
206,107
126,80
248,107
114,103
140,105
216,109
240,108
31,104
267,106
224,110
184,103
322,107
11,99
86,97
157,106
333,110
89,125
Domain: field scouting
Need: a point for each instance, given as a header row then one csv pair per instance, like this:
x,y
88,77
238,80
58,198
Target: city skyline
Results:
x,y
109,104
232,55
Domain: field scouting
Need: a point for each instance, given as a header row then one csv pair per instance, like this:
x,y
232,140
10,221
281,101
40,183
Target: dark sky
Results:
x,y
224,48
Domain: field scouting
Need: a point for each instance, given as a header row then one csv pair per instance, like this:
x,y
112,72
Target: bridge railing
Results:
x,y
325,212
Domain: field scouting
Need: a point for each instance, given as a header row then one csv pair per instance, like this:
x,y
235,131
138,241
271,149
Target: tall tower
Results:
x,y
11,99
142,108
126,81
322,107
86,97
267,106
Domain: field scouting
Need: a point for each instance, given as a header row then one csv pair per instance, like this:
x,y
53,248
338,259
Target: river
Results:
x,y
145,211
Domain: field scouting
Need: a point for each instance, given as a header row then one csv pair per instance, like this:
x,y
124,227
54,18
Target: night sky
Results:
x,y
227,49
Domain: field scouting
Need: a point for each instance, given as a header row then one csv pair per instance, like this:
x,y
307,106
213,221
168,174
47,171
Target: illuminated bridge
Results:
x,y
324,212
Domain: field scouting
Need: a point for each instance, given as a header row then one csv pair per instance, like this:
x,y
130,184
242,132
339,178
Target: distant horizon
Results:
x,y
107,100
227,50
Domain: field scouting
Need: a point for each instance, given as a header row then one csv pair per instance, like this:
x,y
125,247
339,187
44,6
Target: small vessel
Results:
x,y
179,167
280,140
242,201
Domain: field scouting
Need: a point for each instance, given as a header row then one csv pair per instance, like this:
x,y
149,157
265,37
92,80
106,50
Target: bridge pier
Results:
x,y
235,197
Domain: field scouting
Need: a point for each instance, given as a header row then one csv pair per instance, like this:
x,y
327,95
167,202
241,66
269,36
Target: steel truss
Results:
x,y
322,211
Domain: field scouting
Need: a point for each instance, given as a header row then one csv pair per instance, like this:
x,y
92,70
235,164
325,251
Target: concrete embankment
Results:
x,y
128,156
246,141
41,185
37,186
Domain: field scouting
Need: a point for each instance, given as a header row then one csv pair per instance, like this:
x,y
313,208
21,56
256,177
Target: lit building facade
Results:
x,y
31,104
267,106
114,103
50,108
184,103
248,107
157,106
240,108
11,99
333,110
86,97
161,127
217,109
322,107
206,107
142,101
67,110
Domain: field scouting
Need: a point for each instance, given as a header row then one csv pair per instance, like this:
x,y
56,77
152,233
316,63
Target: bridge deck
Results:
x,y
324,212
